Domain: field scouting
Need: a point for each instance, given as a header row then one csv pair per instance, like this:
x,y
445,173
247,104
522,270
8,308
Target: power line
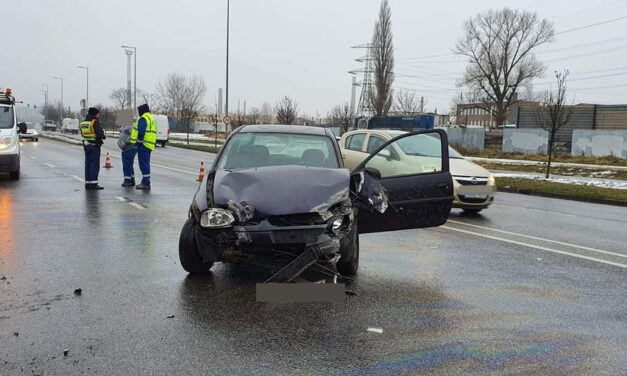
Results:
x,y
582,45
591,25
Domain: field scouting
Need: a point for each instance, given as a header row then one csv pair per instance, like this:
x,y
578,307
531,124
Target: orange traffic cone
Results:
x,y
201,176
108,162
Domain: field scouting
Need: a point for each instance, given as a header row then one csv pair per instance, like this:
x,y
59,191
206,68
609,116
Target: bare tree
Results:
x,y
383,55
286,110
267,113
500,47
118,97
408,104
554,113
254,115
181,97
342,116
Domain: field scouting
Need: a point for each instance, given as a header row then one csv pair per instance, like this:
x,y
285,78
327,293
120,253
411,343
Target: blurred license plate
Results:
x,y
476,195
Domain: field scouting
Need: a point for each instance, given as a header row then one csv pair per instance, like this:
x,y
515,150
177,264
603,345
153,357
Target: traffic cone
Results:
x,y
108,162
201,176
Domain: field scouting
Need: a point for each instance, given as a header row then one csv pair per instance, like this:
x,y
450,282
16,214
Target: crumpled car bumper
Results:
x,y
258,242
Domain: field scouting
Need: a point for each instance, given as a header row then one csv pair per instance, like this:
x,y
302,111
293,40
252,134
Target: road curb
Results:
x,y
563,197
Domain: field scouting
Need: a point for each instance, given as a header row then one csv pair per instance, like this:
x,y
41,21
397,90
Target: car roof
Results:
x,y
282,128
390,132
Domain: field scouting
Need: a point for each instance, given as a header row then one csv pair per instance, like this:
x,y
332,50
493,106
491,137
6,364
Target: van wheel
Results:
x,y
348,263
163,144
15,175
188,250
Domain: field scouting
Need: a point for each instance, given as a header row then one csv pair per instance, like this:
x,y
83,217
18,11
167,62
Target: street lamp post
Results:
x,y
134,74
226,102
87,98
62,108
46,96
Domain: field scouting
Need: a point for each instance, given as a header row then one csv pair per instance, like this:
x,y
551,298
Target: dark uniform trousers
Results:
x,y
92,164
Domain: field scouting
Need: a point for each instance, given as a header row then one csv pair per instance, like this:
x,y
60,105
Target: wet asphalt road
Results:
x,y
505,292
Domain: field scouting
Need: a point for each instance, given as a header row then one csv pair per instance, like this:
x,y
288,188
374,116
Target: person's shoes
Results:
x,y
127,184
97,187
143,186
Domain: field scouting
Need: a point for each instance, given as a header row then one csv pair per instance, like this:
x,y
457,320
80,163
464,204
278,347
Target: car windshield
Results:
x,y
252,150
6,117
452,153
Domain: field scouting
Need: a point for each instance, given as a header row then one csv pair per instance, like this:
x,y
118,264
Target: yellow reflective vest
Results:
x,y
87,130
150,137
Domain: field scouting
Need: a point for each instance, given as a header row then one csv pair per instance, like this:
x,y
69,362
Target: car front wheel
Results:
x,y
189,255
15,175
348,263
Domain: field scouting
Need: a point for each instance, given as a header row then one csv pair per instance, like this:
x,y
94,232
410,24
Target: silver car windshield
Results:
x,y
253,150
6,117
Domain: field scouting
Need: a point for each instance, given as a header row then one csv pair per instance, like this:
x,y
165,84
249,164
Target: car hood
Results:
x,y
463,167
281,190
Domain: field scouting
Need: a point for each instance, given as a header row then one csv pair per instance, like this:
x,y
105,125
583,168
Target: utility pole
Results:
x,y
129,54
46,96
134,73
226,102
62,108
87,98
353,89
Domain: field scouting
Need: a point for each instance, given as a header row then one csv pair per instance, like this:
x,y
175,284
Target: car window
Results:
x,y
6,117
253,150
419,154
374,142
356,142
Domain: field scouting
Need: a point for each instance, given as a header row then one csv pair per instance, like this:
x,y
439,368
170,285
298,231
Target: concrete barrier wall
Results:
x,y
466,137
599,143
527,141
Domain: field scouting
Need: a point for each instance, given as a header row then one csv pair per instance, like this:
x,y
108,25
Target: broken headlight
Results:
x,y
335,225
216,218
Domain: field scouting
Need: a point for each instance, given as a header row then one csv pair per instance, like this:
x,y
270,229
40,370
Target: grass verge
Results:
x,y
61,139
497,153
208,149
560,190
565,171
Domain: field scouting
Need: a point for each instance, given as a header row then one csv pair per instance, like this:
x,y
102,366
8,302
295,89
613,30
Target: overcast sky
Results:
x,y
300,48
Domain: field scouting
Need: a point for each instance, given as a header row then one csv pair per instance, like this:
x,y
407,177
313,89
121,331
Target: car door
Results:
x,y
352,148
416,184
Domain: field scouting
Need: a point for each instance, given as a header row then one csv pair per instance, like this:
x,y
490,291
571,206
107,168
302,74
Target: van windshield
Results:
x,y
6,117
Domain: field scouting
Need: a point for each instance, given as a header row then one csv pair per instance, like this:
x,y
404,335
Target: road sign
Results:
x,y
227,120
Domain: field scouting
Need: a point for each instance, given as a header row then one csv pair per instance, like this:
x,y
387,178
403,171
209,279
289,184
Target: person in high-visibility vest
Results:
x,y
93,134
144,134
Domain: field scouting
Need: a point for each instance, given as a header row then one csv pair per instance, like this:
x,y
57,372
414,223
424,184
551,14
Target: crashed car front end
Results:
x,y
270,216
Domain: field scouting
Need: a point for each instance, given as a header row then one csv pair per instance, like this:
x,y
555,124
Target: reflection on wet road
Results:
x,y
448,302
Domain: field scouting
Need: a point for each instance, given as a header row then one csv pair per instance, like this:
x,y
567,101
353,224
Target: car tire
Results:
x,y
15,175
163,144
36,140
348,263
189,255
472,210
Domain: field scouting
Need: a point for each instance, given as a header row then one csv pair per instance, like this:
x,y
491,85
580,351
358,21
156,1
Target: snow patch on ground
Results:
x,y
594,182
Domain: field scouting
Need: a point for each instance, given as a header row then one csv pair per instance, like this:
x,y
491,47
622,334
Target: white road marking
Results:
x,y
133,204
77,178
31,157
49,165
624,266
541,239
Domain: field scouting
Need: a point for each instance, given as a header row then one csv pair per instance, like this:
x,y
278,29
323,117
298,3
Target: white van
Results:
x,y
9,140
163,129
69,126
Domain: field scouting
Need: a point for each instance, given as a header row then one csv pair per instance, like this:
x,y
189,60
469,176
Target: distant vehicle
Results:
x,y
474,185
163,129
49,125
403,123
9,140
31,132
69,125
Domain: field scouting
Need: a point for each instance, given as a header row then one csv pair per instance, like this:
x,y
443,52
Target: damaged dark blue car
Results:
x,y
279,196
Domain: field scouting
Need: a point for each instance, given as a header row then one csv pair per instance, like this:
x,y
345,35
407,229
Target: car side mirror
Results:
x,y
374,172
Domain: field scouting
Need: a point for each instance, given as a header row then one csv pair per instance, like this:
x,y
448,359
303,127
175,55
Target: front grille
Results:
x,y
471,180
300,219
472,200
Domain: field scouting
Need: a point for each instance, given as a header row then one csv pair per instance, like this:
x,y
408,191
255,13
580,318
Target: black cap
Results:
x,y
143,109
93,111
